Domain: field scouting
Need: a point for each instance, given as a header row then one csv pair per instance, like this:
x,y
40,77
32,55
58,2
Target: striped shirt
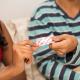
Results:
x,y
50,19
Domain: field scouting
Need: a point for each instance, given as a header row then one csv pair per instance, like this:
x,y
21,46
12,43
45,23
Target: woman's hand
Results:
x,y
63,44
24,50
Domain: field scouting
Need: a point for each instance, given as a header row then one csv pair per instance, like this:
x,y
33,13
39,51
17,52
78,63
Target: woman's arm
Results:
x,y
21,51
14,63
11,71
14,69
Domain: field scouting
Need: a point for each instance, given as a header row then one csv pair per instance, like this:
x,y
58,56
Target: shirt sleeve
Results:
x,y
76,55
47,64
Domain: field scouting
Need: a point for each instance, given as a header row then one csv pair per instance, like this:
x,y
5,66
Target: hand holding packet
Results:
x,y
44,41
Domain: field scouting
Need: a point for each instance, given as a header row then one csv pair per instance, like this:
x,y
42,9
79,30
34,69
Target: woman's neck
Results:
x,y
69,7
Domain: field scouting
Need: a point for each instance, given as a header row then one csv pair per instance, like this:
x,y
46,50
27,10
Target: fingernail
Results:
x,y
26,60
50,45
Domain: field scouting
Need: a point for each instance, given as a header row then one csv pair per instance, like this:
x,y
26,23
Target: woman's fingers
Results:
x,y
28,58
27,42
25,49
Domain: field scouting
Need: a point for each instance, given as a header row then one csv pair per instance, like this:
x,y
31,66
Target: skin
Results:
x,y
63,44
71,7
75,2
66,43
26,48
13,69
21,51
71,2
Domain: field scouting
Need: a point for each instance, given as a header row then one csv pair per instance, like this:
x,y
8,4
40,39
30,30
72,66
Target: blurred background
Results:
x,y
10,9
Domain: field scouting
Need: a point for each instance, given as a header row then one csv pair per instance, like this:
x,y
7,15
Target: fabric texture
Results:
x,y
49,19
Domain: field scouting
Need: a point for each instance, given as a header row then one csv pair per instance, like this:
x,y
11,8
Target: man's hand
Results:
x,y
24,50
77,69
63,44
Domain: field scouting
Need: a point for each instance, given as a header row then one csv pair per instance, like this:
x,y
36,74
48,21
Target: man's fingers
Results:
x,y
59,37
55,45
59,53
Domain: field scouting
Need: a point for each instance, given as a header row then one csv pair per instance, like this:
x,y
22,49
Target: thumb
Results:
x,y
58,38
34,48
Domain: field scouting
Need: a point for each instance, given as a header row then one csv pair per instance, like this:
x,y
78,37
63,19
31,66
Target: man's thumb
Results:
x,y
58,38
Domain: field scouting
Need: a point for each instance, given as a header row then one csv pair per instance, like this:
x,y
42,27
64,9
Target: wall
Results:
x,y
17,8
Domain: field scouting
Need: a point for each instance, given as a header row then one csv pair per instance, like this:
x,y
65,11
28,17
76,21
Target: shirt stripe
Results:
x,y
50,19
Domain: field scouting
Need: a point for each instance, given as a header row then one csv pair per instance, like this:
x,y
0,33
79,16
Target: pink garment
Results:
x,y
1,54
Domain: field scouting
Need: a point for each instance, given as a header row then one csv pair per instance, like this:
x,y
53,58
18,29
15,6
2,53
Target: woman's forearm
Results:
x,y
11,71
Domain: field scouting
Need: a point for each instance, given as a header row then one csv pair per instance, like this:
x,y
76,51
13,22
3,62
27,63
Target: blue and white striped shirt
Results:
x,y
49,19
